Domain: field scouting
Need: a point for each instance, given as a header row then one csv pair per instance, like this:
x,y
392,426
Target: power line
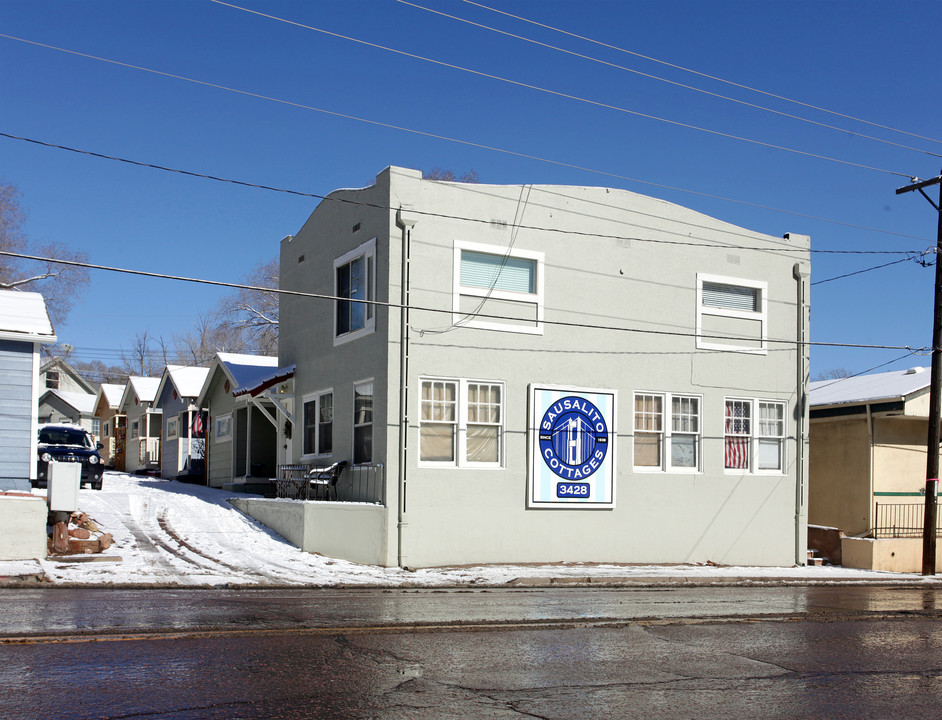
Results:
x,y
560,94
701,74
427,213
661,79
399,306
860,272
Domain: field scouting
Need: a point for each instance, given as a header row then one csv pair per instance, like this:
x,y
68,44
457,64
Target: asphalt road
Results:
x,y
743,652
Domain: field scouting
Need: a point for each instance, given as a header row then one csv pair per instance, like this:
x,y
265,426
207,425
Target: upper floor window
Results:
x,y
667,432
461,422
318,419
355,290
498,288
52,379
732,314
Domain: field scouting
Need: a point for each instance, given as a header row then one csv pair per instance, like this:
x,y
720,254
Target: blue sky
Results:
x,y
873,61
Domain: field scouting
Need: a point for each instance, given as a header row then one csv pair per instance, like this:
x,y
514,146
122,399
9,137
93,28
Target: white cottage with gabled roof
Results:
x,y
24,328
142,447
112,423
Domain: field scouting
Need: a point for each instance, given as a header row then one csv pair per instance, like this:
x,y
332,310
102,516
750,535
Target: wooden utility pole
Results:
x,y
935,388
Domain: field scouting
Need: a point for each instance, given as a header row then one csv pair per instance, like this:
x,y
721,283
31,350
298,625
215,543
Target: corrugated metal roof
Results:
x,y
23,316
869,388
247,370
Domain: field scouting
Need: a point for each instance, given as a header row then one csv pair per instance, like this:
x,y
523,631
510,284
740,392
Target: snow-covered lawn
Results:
x,y
171,533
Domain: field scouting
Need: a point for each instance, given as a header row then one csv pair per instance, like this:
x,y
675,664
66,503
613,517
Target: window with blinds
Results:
x,y
731,314
498,288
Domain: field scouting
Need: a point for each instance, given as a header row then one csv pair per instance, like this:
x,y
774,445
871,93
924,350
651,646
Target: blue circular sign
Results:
x,y
573,438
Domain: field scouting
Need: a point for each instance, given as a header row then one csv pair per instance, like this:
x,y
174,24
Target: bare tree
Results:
x,y
438,173
209,336
834,374
252,312
143,361
59,284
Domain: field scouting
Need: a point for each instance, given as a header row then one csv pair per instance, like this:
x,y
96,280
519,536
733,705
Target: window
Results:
x,y
172,428
107,430
754,435
318,419
135,426
52,380
771,435
461,422
354,281
363,423
223,428
731,314
667,432
495,281
96,426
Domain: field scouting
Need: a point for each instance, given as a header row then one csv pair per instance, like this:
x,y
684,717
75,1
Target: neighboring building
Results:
x,y
183,446
24,328
113,424
868,465
57,374
72,408
584,374
142,447
242,440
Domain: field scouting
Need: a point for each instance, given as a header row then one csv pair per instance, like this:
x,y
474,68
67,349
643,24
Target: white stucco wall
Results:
x,y
613,259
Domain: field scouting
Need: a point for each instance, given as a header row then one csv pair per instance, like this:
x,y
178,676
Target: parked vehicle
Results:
x,y
69,443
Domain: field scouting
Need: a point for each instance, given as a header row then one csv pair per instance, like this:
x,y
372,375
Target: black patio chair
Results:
x,y
325,479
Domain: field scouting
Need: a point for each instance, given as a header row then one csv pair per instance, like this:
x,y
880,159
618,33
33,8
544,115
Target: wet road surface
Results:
x,y
787,652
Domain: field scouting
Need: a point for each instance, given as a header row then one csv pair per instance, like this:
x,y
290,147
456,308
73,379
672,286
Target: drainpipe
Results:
x,y
406,224
871,510
801,419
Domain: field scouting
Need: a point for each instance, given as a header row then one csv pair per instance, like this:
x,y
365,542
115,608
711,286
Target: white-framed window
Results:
x,y
732,314
461,422
135,428
505,284
317,417
667,432
172,428
223,428
363,422
355,280
96,427
754,435
52,379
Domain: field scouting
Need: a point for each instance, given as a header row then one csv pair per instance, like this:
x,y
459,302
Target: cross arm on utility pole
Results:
x,y
935,389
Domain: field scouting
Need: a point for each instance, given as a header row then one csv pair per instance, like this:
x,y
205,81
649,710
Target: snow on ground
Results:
x,y
171,533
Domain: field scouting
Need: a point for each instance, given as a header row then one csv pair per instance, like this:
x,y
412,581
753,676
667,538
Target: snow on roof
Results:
x,y
144,387
247,370
112,393
83,402
23,316
187,380
868,388
262,384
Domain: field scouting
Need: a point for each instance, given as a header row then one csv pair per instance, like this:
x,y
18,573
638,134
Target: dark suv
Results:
x,y
69,443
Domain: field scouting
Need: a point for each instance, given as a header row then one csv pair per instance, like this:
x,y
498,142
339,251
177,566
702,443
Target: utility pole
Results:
x,y
935,387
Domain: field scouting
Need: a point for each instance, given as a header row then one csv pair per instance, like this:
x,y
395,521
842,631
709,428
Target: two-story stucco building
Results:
x,y
547,373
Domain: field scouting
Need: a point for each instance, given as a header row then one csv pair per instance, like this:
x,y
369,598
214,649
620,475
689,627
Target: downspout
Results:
x,y
801,420
406,224
871,509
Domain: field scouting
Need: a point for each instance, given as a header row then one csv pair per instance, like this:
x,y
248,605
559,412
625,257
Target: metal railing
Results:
x,y
357,483
901,520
